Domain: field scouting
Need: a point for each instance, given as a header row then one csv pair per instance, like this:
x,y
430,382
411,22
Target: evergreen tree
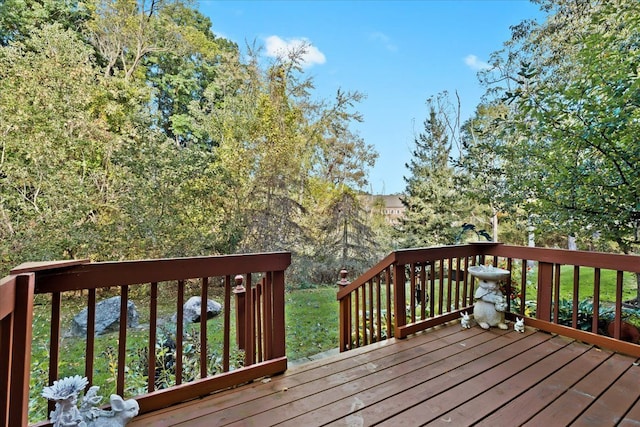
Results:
x,y
433,206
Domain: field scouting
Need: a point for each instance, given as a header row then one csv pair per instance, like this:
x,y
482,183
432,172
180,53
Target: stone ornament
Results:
x,y
490,302
66,414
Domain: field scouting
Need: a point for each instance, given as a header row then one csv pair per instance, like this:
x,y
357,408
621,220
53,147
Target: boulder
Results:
x,y
107,317
192,309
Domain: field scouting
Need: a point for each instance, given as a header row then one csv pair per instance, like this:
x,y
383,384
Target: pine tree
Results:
x,y
433,208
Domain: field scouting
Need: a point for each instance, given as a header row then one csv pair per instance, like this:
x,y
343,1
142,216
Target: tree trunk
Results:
x,y
494,225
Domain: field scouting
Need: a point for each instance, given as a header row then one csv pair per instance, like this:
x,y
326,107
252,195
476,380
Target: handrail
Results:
x,y
261,340
428,286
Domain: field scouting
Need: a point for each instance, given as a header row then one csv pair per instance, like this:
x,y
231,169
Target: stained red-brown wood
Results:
x,y
122,339
179,331
446,375
54,342
579,397
204,296
226,346
7,306
21,350
153,324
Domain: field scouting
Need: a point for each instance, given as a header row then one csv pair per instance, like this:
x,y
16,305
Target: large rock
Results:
x,y
192,309
107,317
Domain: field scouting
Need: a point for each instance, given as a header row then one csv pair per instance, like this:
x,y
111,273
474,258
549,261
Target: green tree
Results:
x,y
19,18
434,207
57,174
570,137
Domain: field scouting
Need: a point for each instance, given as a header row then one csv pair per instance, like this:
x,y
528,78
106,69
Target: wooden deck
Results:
x,y
446,375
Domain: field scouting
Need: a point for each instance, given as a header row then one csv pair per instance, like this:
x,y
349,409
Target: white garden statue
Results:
x,y
66,414
519,325
490,303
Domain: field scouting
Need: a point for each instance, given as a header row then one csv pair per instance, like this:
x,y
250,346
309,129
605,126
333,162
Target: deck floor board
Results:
x,y
446,375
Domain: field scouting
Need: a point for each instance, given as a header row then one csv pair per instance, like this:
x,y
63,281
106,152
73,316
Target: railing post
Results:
x,y
240,293
545,290
21,350
399,300
345,314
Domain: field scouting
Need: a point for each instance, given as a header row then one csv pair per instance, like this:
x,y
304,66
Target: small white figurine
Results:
x,y
519,325
465,322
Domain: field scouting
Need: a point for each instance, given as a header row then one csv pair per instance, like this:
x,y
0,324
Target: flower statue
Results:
x,y
65,393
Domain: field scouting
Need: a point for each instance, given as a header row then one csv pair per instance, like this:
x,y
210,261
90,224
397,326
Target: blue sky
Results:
x,y
398,53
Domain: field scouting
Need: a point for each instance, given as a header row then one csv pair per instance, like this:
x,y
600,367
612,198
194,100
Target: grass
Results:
x,y
311,322
607,284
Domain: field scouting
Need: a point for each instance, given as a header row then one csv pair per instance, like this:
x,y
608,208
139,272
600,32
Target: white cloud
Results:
x,y
277,47
476,64
384,40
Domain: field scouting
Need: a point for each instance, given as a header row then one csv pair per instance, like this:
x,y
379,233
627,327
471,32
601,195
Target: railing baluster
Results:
x,y
576,291
91,334
399,298
458,274
54,342
432,288
440,274
449,284
596,300
268,315
365,334
179,331
153,325
258,311
556,292
371,312
412,291
249,336
467,291
509,287
523,284
387,279
122,339
618,306
204,296
226,345
423,291
357,317
378,309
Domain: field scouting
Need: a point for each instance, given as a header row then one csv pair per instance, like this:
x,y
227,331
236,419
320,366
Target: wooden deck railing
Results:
x,y
414,289
253,283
